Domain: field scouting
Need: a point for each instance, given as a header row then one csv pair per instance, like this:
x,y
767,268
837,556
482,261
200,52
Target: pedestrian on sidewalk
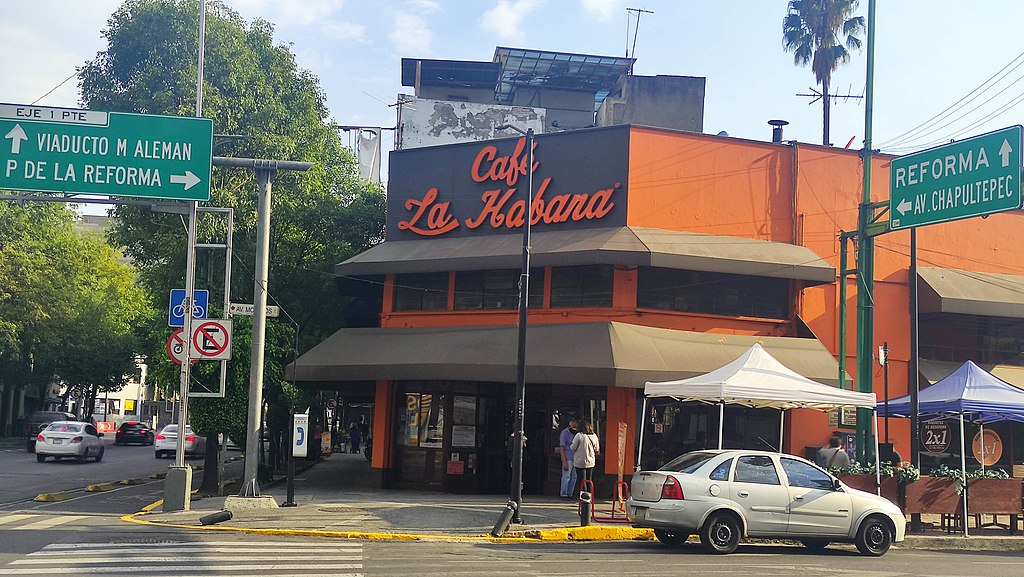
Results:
x,y
354,436
833,456
565,451
585,447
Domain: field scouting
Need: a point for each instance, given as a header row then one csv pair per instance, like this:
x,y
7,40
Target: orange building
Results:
x,y
656,254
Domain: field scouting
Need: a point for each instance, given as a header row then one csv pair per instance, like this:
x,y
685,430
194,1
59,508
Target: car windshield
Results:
x,y
64,428
687,463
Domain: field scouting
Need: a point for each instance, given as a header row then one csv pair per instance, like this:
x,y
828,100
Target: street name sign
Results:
x,y
972,177
247,309
64,150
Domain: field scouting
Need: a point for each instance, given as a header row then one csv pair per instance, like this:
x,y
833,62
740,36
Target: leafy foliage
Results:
x,y
905,473
958,475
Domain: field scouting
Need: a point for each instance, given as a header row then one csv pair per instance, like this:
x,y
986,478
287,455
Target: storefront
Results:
x,y
656,255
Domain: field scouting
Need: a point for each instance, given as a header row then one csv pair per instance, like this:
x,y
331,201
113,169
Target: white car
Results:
x,y
69,439
725,495
167,442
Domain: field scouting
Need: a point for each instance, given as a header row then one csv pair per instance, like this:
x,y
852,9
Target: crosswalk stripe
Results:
x,y
47,523
131,551
14,517
262,546
188,559
208,569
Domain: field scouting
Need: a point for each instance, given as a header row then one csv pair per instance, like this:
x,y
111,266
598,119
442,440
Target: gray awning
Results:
x,y
603,353
629,246
947,290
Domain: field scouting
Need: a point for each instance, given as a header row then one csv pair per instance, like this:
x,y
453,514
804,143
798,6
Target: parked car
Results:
x,y
69,439
725,495
134,432
167,442
39,420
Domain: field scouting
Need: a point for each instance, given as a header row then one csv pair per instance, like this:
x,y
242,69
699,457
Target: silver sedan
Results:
x,y
69,439
725,495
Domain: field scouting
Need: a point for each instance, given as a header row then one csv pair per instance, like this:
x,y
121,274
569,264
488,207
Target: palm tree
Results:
x,y
813,30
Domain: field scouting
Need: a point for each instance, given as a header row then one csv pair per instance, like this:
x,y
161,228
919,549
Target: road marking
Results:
x,y
191,558
206,569
14,517
51,522
132,550
206,545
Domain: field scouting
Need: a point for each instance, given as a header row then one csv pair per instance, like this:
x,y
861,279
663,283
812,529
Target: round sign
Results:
x,y
993,447
176,347
935,437
331,403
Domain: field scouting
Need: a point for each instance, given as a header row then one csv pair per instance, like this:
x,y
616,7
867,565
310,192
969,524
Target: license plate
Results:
x,y
57,441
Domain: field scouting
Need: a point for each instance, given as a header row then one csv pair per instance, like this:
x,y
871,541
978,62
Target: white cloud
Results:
x,y
286,13
603,9
424,5
342,30
411,35
506,18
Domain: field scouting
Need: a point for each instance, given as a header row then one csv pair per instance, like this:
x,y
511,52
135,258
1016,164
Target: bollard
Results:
x,y
585,508
505,520
215,518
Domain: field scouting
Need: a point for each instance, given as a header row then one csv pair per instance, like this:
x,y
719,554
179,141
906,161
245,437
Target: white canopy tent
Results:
x,y
757,379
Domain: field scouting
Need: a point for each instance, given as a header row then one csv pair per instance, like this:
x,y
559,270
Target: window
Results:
x,y
582,286
421,292
713,293
496,289
801,474
688,463
756,469
721,472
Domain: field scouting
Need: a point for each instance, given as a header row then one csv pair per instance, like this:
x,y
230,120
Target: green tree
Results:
x,y
252,88
815,31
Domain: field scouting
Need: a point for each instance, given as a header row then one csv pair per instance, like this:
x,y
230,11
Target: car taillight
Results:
x,y
190,438
161,438
40,437
671,489
76,440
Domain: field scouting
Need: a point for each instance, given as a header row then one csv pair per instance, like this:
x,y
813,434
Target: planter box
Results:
x,y
866,483
932,495
994,496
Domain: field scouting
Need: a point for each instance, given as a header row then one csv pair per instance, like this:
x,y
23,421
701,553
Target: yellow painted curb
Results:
x,y
51,497
595,533
100,487
134,481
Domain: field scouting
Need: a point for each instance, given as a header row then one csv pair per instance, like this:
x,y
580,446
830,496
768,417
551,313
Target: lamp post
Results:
x,y
524,292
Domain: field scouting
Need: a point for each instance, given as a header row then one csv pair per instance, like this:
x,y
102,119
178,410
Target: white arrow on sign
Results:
x,y
904,206
188,179
17,134
1005,151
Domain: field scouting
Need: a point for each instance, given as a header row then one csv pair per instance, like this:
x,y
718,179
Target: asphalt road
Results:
x,y
22,478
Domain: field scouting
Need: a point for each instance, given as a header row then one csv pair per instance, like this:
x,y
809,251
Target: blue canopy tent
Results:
x,y
970,394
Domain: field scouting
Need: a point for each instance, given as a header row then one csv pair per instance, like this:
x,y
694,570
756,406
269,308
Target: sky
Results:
x,y
944,69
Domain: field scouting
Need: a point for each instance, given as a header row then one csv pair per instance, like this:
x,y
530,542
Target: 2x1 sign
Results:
x,y
972,177
65,150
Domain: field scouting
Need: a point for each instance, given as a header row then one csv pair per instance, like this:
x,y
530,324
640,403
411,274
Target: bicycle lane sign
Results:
x,y
176,306
211,340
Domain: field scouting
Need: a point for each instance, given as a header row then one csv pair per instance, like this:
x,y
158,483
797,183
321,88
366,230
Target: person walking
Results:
x,y
565,451
833,456
585,447
355,436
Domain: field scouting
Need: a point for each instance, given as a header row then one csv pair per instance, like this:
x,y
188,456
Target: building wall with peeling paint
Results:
x,y
425,122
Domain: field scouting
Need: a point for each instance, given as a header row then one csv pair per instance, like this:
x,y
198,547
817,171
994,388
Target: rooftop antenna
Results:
x,y
636,30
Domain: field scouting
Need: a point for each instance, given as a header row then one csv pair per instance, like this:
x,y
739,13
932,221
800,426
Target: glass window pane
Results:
x,y
801,474
421,292
756,469
582,286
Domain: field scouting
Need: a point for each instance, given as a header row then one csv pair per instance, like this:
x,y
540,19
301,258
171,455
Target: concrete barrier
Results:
x,y
134,481
52,497
100,487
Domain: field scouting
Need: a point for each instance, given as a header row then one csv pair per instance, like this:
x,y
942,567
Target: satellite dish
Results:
x,y
723,133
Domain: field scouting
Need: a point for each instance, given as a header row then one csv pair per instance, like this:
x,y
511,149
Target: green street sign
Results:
x,y
972,177
64,150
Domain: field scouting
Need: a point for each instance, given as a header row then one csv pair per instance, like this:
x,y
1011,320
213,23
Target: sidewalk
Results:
x,y
338,497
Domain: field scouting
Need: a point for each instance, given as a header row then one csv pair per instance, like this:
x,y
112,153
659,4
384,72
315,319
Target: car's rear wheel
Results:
x,y
874,536
815,544
720,533
40,458
99,456
671,538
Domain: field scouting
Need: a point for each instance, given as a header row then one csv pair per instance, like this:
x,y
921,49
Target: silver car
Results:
x,y
69,439
725,495
167,442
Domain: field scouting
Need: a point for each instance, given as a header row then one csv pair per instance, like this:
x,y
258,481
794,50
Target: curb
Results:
x,y
52,497
592,533
99,487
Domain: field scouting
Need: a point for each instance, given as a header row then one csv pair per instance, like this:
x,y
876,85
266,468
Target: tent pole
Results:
x,y
640,444
963,469
721,422
782,424
981,435
878,471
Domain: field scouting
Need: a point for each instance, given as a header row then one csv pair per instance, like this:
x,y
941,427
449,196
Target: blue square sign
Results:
x,y
176,310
